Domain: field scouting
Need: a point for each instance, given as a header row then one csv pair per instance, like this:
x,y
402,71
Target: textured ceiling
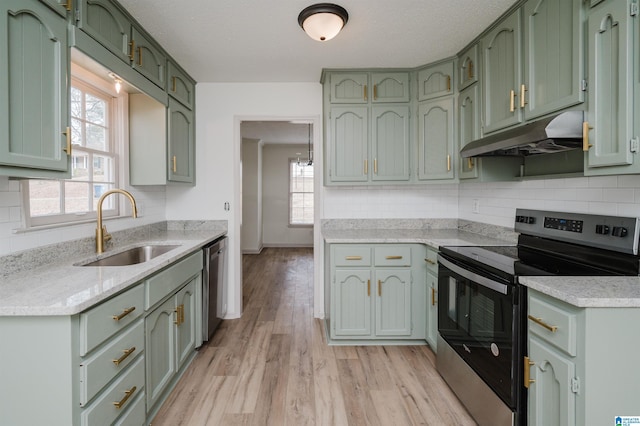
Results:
x,y
260,40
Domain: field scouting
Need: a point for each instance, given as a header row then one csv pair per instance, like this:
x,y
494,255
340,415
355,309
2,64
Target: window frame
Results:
x,y
290,162
117,113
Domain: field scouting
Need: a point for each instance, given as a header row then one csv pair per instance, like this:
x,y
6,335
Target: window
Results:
x,y
94,163
300,193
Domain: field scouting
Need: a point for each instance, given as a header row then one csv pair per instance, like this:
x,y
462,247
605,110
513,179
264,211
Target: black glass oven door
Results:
x,y
476,318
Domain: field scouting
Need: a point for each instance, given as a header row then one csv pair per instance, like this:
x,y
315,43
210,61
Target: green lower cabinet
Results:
x,y
581,363
432,310
377,292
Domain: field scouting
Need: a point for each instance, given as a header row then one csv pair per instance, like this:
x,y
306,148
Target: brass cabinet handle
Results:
x,y
430,261
551,328
173,83
448,162
512,100
175,168
448,83
433,296
393,257
365,93
523,89
132,50
470,163
375,165
139,56
470,70
127,395
366,166
380,288
368,287
68,148
124,313
179,310
353,258
375,92
585,136
68,5
127,352
527,372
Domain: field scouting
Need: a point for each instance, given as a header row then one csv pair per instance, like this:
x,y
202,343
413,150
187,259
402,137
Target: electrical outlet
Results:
x,y
475,208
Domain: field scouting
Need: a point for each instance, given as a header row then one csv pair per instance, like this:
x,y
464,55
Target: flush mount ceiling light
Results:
x,y
323,21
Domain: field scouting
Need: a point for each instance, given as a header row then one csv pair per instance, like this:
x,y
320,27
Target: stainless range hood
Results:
x,y
560,132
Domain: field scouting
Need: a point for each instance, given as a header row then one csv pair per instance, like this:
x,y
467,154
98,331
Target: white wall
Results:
x,y
275,201
251,228
220,109
609,195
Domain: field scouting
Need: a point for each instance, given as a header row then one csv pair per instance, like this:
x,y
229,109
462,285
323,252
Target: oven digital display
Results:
x,y
560,224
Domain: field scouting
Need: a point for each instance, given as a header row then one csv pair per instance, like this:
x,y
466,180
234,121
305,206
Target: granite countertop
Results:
x,y
62,288
589,292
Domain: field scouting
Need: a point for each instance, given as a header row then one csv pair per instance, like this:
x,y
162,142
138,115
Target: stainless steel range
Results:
x,y
482,307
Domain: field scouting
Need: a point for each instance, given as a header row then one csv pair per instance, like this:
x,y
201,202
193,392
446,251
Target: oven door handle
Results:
x,y
484,281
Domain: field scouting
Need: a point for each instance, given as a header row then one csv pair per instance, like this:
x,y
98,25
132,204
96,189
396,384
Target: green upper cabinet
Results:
x,y
349,139
181,143
349,88
553,56
148,59
180,86
60,6
107,24
468,67
34,107
501,74
435,81
611,86
390,143
468,127
436,152
389,87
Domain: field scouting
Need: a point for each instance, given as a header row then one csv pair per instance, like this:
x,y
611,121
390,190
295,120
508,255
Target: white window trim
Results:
x,y
297,225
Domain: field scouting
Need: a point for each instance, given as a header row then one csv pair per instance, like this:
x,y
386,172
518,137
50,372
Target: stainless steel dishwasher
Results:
x,y
214,287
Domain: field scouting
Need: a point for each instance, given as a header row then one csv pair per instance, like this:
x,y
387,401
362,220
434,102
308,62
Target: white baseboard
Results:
x,y
288,245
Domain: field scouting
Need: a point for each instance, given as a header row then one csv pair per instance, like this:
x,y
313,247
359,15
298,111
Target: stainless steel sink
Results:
x,y
133,256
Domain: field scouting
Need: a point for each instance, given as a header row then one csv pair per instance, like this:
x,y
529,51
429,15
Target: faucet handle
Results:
x,y
105,235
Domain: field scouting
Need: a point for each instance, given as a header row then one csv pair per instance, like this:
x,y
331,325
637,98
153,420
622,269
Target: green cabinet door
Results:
x,y
436,139
610,113
34,73
186,330
148,59
468,127
181,143
348,88
468,67
551,399
389,87
160,350
180,86
553,56
393,302
108,25
435,81
349,142
432,309
390,143
501,74
352,303
60,6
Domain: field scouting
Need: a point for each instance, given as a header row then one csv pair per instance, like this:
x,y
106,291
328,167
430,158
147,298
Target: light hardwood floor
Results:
x,y
273,366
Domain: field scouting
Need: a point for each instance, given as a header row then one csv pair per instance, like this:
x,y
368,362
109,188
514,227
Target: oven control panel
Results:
x,y
616,233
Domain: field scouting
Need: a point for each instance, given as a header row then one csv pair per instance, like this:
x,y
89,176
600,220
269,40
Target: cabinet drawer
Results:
x,y
432,260
553,323
100,369
135,415
168,281
392,256
106,319
352,256
103,411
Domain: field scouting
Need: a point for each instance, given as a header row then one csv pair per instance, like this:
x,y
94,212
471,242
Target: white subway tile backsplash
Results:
x,y
619,195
